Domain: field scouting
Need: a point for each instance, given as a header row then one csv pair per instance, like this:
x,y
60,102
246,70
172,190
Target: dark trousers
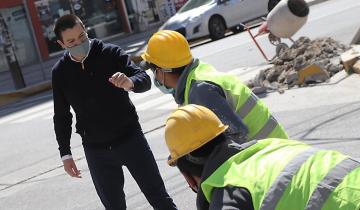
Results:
x,y
105,165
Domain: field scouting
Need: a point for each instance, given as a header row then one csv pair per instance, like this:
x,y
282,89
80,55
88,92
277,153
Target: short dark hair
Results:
x,y
65,22
196,169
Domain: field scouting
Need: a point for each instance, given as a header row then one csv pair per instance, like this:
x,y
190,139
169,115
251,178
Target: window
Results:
x,y
101,17
20,37
192,4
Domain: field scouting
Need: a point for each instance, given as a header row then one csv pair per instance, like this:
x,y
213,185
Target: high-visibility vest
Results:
x,y
286,174
254,113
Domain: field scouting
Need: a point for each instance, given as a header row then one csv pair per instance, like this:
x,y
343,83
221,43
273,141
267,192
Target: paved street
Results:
x,y
339,19
328,115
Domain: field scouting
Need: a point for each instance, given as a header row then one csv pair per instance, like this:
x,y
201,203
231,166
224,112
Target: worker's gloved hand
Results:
x,y
71,169
120,80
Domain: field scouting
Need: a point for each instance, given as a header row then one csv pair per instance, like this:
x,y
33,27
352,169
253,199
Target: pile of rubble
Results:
x,y
323,53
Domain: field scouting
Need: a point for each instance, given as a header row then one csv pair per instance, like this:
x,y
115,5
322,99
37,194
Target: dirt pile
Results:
x,y
323,52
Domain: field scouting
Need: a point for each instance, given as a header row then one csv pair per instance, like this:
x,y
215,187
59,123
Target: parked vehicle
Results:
x,y
199,18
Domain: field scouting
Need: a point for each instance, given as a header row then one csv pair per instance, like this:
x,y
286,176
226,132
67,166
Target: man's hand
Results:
x,y
120,80
70,168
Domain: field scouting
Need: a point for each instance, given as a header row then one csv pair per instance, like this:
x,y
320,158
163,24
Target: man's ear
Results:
x,y
61,44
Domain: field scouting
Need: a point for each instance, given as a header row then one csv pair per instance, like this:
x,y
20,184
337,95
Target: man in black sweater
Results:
x,y
94,79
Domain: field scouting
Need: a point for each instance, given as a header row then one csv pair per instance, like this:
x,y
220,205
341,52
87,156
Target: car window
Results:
x,y
192,4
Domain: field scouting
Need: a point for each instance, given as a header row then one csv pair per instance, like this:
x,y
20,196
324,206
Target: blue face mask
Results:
x,y
163,88
81,50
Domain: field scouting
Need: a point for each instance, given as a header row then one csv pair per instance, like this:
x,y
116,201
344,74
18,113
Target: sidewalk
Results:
x,y
37,77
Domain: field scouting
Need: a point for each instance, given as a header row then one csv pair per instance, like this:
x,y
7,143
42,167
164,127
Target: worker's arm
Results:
x,y
213,97
231,198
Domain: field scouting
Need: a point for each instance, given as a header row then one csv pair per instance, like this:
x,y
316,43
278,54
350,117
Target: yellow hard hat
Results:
x,y
168,49
190,127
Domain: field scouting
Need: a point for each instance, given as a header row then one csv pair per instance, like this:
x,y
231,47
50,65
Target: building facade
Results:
x,y
30,22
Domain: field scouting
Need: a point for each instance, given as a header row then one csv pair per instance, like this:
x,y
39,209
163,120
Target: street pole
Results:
x,y
10,55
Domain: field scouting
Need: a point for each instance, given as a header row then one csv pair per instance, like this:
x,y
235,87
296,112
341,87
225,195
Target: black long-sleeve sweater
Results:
x,y
104,113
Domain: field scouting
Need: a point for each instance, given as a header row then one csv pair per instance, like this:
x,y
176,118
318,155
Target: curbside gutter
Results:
x,y
16,95
10,97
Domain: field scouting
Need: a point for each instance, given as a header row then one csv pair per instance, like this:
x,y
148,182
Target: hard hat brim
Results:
x,y
145,65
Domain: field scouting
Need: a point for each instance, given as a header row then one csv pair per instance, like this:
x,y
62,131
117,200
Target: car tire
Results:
x,y
217,28
272,4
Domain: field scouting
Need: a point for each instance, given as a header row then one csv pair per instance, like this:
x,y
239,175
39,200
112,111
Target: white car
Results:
x,y
199,18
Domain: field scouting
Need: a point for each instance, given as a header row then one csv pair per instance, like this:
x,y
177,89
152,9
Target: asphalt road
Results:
x,y
337,19
31,176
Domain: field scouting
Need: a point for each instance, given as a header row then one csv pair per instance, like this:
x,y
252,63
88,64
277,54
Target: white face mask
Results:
x,y
162,87
80,50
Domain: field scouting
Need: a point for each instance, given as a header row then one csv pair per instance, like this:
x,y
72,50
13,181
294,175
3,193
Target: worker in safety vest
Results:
x,y
260,174
191,81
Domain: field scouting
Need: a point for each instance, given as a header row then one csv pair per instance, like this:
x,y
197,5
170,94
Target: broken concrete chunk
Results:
x,y
258,81
282,76
272,85
316,78
312,73
274,73
335,60
288,69
259,90
278,61
281,91
335,68
291,77
314,50
356,67
349,58
322,63
249,83
299,62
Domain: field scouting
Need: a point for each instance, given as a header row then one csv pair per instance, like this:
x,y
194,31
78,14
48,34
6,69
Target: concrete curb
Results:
x,y
16,95
10,97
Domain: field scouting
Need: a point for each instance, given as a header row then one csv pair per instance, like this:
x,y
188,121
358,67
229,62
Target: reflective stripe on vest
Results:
x,y
270,124
252,111
286,174
331,181
320,194
278,187
267,128
249,104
